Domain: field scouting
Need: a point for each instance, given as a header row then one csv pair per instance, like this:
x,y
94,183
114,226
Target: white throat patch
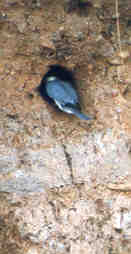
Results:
x,y
51,78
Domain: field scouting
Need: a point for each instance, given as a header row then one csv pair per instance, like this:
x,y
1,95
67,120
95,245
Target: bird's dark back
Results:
x,y
61,73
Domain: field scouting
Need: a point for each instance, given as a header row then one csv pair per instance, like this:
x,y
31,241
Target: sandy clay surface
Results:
x,y
65,184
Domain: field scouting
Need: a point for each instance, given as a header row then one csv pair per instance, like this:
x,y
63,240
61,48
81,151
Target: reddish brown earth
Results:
x,y
65,184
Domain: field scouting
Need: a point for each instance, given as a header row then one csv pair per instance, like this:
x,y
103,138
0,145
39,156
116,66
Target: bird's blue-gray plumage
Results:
x,y
58,87
65,97
62,92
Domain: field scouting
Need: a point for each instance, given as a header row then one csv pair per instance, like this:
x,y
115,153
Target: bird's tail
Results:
x,y
77,113
82,116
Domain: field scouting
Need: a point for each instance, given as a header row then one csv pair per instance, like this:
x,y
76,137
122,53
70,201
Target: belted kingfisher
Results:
x,y
58,88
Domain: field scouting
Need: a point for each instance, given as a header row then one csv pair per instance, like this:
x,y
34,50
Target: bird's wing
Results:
x,y
62,92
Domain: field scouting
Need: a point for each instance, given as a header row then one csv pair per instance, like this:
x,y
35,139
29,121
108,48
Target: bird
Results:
x,y
58,88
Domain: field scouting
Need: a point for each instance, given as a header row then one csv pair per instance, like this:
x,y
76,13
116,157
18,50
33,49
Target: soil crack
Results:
x,y
69,162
